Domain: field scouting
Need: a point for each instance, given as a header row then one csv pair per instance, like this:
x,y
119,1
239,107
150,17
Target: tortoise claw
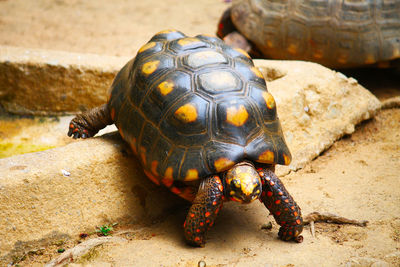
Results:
x,y
77,131
291,233
299,239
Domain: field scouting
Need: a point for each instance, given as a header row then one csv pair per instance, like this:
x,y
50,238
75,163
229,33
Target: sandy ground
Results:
x,y
358,177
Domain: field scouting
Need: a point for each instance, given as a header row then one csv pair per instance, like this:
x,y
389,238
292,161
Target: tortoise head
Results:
x,y
243,184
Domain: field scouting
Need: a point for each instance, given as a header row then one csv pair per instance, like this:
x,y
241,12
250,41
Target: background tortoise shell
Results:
x,y
191,107
333,33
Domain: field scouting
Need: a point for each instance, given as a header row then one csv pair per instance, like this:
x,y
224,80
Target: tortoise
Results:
x,y
336,34
198,115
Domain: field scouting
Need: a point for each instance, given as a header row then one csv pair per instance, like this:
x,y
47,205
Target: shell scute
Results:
x,y
235,121
130,113
167,35
214,151
157,103
204,58
193,165
264,101
363,32
186,45
191,131
251,73
219,82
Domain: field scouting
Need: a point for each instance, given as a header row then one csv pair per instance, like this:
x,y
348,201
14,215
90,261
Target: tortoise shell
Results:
x,y
191,107
332,33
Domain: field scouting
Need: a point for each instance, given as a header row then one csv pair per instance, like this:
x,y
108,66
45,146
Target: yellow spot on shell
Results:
x,y
241,51
112,113
188,40
143,155
222,164
167,182
342,59
169,173
166,87
154,165
318,54
166,31
186,113
132,143
257,72
149,67
370,59
287,159
151,177
267,157
269,100
147,46
237,116
192,174
270,44
292,49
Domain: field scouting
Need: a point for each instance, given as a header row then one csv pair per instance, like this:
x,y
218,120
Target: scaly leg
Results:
x,y
281,205
90,122
204,210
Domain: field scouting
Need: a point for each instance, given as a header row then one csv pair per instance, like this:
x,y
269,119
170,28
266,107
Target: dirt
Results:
x,y
358,177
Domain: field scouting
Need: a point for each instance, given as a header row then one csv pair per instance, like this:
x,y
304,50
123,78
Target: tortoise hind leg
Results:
x,y
282,206
204,210
90,122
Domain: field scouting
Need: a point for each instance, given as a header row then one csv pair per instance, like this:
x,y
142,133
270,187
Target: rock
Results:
x,y
366,262
43,82
393,258
105,185
316,106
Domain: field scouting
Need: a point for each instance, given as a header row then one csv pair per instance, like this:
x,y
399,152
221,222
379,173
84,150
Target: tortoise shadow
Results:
x,y
383,83
234,222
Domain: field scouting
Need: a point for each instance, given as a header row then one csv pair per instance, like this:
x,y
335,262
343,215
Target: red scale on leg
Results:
x,y
204,210
282,206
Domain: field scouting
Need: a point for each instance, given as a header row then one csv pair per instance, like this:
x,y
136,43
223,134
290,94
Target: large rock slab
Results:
x,y
44,82
316,106
64,191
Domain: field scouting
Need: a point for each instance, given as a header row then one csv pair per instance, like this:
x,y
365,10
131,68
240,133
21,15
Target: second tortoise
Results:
x,y
336,34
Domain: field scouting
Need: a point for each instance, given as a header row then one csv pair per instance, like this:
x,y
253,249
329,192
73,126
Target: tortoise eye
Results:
x,y
236,183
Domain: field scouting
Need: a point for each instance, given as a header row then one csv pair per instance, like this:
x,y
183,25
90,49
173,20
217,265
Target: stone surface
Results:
x,y
366,262
316,106
43,82
72,189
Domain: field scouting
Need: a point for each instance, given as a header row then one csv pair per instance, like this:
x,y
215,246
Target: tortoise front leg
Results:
x,y
282,206
204,210
90,122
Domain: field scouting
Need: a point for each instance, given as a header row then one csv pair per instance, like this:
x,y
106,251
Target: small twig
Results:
x,y
72,254
330,218
393,102
312,228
